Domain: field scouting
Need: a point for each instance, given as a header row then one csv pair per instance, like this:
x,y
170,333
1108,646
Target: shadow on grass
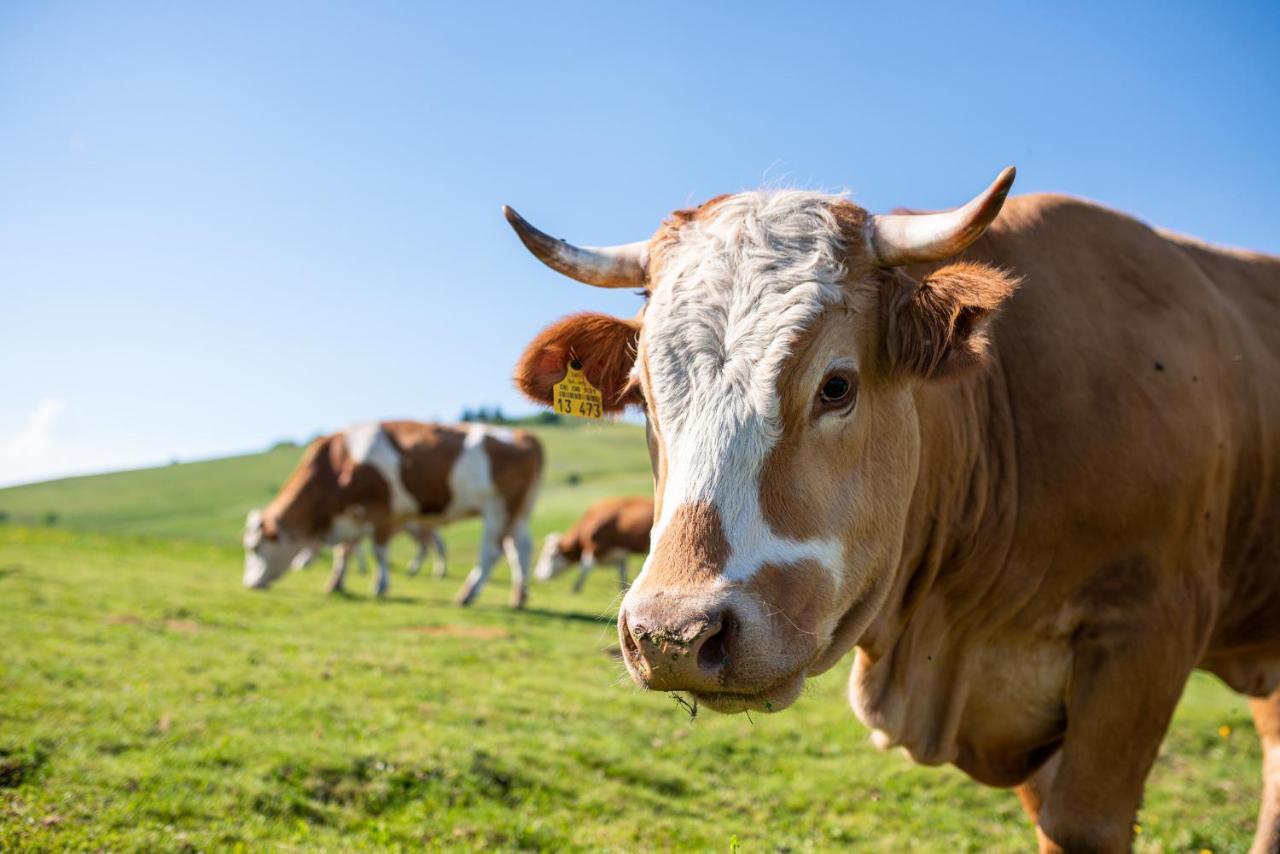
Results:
x,y
572,616
348,596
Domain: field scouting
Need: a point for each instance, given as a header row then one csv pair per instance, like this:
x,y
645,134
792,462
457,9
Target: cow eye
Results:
x,y
837,392
835,389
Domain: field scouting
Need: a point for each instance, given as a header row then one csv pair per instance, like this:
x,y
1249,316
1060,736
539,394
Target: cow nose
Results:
x,y
681,654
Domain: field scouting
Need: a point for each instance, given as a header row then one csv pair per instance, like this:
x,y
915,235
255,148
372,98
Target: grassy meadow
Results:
x,y
148,702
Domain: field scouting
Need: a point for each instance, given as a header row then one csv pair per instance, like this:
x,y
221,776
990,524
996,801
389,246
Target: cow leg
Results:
x,y
440,562
362,560
585,566
415,565
384,568
1032,792
519,547
341,555
490,551
623,582
1124,686
1266,717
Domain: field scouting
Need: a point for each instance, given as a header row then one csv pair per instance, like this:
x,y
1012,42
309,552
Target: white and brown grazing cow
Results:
x,y
610,531
383,477
1033,508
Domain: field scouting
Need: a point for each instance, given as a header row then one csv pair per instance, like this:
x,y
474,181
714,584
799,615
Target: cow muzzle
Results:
x,y
682,651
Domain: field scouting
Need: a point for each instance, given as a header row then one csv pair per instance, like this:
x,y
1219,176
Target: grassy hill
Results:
x,y
149,702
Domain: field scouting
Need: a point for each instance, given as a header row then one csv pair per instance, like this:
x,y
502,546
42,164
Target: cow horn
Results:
x,y
896,239
603,266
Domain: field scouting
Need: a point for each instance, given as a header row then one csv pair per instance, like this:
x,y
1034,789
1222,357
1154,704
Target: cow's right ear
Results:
x,y
604,345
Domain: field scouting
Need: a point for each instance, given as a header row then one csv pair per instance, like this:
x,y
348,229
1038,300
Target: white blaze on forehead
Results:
x,y
369,444
734,292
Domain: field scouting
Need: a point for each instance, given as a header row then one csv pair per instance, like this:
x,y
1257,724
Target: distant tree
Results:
x,y
284,443
485,415
51,518
4,516
573,478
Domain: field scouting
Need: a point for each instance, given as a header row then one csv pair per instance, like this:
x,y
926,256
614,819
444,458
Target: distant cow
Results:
x,y
609,532
425,536
1031,471
382,477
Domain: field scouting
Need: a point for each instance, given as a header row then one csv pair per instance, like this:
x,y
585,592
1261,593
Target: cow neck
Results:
x,y
307,504
963,509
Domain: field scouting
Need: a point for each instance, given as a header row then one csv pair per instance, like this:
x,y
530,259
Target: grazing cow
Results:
x,y
609,532
1033,508
379,478
425,536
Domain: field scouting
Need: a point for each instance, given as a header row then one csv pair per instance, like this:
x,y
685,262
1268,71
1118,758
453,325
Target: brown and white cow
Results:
x,y
1033,508
610,531
383,477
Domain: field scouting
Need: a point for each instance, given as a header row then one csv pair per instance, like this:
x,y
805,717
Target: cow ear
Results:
x,y
604,345
938,327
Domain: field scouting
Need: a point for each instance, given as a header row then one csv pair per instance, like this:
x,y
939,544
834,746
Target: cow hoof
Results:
x,y
464,599
518,600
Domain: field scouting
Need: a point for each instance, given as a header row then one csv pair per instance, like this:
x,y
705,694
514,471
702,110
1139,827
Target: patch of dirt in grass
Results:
x,y
476,632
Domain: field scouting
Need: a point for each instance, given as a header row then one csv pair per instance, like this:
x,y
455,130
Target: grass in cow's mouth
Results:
x,y
689,704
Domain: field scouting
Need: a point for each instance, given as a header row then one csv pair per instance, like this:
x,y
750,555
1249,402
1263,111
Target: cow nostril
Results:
x,y
630,648
713,654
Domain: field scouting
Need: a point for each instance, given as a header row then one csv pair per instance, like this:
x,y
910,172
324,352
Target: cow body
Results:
x,y
1032,524
1110,483
376,479
610,531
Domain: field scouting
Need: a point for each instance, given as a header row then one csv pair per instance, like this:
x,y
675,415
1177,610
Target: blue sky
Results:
x,y
228,225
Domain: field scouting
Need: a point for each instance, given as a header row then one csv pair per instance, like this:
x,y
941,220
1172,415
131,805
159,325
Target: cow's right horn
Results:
x,y
896,239
603,266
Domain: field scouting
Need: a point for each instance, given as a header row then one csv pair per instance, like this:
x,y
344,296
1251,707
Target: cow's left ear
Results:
x,y
605,346
937,327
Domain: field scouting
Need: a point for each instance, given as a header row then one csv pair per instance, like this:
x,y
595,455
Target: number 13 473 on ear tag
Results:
x,y
575,395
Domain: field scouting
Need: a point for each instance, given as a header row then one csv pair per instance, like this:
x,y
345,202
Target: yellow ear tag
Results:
x,y
575,395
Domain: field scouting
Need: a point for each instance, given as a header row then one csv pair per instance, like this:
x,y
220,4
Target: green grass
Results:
x,y
148,702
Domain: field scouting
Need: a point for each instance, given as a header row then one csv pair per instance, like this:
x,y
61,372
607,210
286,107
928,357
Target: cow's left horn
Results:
x,y
603,266
896,239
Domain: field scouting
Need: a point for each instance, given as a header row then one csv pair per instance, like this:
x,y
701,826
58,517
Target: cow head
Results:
x,y
558,554
268,551
777,360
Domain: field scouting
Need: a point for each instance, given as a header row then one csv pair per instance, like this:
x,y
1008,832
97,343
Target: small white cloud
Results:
x,y
36,437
